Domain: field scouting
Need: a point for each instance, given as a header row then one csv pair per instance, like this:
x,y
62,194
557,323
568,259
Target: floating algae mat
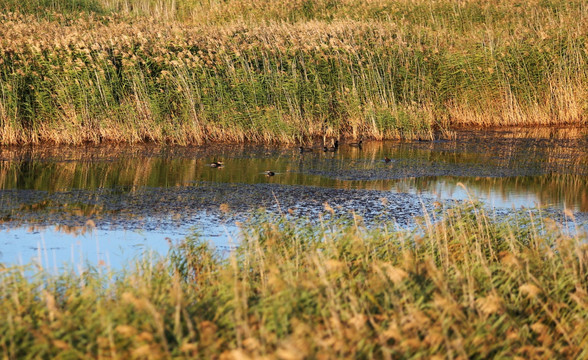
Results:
x,y
105,204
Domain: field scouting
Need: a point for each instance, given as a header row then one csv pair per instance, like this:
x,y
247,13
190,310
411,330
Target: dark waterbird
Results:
x,y
387,159
329,149
304,149
269,173
216,164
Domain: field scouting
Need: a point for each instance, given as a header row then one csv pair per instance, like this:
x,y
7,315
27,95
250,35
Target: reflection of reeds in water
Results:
x,y
127,172
64,229
563,190
542,132
571,190
568,151
127,169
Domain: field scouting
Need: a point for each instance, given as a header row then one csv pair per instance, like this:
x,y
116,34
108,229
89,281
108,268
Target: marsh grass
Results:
x,y
466,286
47,8
197,71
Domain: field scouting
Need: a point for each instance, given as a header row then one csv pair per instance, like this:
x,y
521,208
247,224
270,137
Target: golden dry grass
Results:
x,y
378,70
464,287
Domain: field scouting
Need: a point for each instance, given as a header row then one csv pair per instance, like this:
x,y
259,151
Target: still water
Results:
x,y
107,204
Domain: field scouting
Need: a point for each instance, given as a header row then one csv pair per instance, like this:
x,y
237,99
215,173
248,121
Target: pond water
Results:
x,y
107,204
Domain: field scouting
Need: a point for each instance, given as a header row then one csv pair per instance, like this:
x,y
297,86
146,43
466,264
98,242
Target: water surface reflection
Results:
x,y
506,168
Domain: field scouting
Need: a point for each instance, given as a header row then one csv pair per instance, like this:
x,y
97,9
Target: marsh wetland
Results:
x,y
154,203
107,204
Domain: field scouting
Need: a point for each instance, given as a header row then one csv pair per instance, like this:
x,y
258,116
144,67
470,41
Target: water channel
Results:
x,y
107,204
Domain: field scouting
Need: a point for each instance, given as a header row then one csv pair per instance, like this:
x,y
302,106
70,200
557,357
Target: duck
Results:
x,y
356,144
216,164
303,149
387,159
269,173
336,144
329,149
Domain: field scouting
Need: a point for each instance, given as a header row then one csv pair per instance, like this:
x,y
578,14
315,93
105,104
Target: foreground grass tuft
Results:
x,y
464,287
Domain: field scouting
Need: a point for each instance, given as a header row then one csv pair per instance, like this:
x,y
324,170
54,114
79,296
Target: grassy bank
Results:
x,y
76,71
467,287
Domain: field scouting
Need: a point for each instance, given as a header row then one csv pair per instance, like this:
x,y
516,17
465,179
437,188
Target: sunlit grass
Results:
x,y
464,287
187,72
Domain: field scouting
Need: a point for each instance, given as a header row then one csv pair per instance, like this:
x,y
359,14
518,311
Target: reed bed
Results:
x,y
467,286
193,71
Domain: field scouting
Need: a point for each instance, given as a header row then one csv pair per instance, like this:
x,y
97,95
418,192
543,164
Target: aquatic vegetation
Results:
x,y
468,285
196,71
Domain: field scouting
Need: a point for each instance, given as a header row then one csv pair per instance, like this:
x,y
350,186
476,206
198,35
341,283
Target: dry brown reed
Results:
x,y
378,70
467,286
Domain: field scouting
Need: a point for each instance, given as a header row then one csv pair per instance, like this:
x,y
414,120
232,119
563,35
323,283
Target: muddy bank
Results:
x,y
149,208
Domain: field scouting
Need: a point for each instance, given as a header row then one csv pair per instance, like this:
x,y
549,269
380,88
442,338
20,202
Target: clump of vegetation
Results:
x,y
466,286
75,71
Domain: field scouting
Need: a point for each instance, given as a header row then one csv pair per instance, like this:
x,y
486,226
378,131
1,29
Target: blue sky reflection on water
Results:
x,y
451,189
55,248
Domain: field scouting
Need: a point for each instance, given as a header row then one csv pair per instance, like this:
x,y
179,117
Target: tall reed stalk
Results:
x,y
92,71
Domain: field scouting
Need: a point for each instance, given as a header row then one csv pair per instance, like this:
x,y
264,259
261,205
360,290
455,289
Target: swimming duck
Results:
x,y
303,149
216,164
269,173
387,159
336,144
329,149
356,144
